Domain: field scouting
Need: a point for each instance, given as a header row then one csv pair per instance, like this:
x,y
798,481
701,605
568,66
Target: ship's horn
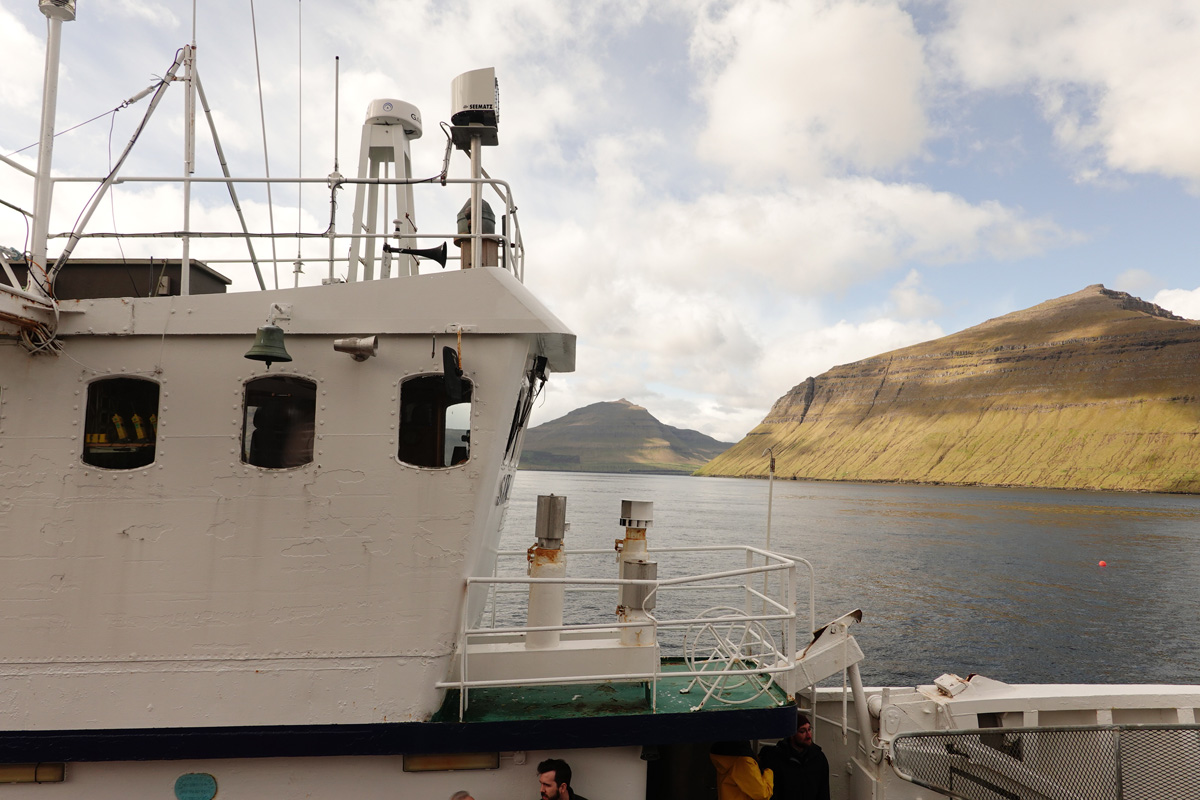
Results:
x,y
268,346
437,254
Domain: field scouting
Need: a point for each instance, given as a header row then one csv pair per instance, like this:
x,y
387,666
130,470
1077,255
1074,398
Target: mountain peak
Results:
x,y
1087,313
1092,390
616,436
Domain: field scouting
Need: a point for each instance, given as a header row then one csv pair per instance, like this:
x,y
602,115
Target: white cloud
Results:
x,y
910,302
845,342
1119,81
152,13
1137,282
24,57
1184,302
811,88
824,236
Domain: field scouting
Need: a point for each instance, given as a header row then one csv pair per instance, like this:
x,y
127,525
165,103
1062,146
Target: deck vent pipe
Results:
x,y
551,522
636,601
547,560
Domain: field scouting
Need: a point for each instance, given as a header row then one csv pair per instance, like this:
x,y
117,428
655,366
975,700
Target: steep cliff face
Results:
x,y
1095,390
616,436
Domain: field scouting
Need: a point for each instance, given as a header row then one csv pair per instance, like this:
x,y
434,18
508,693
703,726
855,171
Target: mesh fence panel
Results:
x,y
1143,762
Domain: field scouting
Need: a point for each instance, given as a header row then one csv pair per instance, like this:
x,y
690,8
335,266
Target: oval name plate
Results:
x,y
195,786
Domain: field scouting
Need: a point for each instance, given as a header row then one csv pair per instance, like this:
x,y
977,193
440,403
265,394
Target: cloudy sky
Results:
x,y
720,198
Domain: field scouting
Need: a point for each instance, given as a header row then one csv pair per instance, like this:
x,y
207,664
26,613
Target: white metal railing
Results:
x,y
766,604
511,251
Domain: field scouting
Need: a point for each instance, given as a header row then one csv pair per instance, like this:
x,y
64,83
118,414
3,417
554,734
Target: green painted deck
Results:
x,y
623,699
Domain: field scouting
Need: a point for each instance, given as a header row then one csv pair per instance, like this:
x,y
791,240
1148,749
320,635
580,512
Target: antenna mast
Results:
x,y
335,177
57,12
189,157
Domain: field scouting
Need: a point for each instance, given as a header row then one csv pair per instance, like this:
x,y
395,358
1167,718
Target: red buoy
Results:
x,y
1104,563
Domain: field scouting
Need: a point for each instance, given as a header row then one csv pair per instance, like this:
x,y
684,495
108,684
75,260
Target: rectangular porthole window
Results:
x,y
279,422
435,430
121,426
33,773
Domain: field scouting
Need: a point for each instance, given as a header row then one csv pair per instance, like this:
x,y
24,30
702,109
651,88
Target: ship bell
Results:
x,y
268,346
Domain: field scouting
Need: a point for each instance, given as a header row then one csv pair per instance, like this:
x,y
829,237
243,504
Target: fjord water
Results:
x,y
1000,582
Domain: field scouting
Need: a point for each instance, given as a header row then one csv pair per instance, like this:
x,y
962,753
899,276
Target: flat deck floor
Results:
x,y
606,714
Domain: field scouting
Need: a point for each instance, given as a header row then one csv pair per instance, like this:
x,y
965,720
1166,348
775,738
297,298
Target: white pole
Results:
x,y
42,190
189,160
770,501
476,202
770,493
545,599
337,64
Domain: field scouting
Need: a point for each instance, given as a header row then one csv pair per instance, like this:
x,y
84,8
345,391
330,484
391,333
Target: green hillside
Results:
x,y
1095,390
616,437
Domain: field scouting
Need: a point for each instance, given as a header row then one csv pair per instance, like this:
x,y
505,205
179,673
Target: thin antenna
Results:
x,y
336,174
262,116
189,158
337,88
299,134
299,99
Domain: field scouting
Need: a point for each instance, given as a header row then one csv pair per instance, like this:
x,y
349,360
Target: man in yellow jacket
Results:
x,y
738,775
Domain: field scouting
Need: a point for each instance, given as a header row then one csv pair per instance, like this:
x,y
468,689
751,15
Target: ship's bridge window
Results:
x,y
279,421
435,429
121,426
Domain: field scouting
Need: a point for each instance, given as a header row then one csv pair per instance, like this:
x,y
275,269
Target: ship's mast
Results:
x,y
189,157
57,12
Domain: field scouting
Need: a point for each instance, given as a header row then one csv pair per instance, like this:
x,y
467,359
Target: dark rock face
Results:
x,y
616,437
1131,303
1094,390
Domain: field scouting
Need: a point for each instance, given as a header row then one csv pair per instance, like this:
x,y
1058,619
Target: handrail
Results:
x,y
507,236
1086,762
778,608
773,669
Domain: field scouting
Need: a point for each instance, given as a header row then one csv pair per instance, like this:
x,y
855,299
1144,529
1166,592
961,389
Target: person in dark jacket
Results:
x,y
554,780
800,768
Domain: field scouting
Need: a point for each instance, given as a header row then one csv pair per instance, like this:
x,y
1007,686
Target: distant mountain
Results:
x,y
1094,390
616,437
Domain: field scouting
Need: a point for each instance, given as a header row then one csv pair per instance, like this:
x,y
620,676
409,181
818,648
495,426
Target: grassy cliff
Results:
x,y
1095,390
616,437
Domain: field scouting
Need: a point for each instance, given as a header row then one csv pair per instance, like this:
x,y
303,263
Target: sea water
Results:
x,y
1005,583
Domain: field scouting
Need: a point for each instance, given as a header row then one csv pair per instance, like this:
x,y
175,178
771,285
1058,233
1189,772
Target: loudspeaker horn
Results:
x,y
437,254
360,348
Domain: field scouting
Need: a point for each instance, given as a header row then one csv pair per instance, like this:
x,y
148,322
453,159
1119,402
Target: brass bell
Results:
x,y
268,346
